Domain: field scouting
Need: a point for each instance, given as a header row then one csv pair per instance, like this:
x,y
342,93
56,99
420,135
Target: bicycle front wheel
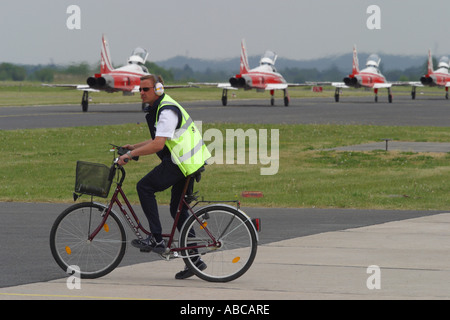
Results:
x,y
224,238
71,248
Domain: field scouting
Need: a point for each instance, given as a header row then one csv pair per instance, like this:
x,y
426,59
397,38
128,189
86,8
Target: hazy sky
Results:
x,y
35,31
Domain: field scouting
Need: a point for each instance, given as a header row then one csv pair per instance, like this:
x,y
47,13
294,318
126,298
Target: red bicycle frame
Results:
x,y
136,224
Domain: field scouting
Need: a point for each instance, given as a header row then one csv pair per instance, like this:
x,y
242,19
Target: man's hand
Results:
x,y
122,160
128,146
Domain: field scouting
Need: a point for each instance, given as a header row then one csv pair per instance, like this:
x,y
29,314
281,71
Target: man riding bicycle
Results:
x,y
178,143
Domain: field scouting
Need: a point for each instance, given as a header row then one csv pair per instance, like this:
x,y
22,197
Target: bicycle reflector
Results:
x,y
257,223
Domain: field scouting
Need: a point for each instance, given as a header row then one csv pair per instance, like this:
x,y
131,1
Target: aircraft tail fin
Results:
x,y
355,67
106,64
430,62
244,60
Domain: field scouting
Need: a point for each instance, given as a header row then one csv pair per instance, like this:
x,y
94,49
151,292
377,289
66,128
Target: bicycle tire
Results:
x,y
70,247
238,243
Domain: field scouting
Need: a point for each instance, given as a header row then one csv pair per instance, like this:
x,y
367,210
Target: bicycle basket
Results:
x,y
92,179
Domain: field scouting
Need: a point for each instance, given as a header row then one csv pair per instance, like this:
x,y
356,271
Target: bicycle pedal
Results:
x,y
168,255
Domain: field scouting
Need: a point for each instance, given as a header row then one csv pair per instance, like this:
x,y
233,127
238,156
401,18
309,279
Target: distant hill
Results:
x,y
342,62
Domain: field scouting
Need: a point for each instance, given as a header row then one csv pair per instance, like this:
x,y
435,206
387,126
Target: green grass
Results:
x,y
39,166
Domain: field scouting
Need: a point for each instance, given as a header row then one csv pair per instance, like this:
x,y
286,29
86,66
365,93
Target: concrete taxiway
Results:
x,y
405,259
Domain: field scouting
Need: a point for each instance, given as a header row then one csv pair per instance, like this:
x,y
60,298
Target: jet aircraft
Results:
x,y
125,79
262,78
369,77
434,78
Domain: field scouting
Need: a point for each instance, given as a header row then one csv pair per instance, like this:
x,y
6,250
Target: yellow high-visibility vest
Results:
x,y
186,147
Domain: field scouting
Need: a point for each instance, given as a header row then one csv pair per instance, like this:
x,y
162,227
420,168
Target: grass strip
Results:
x,y
39,166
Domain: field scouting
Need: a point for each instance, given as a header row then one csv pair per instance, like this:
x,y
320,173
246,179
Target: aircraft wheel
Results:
x,y
446,96
286,101
336,97
224,101
84,106
390,98
85,101
413,95
376,98
272,101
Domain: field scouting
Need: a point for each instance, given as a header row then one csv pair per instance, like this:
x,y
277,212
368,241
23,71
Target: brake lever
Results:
x,y
121,151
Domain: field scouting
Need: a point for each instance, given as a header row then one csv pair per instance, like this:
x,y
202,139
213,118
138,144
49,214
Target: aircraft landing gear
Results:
x,y
85,101
286,98
224,97
272,99
446,93
336,95
389,95
413,93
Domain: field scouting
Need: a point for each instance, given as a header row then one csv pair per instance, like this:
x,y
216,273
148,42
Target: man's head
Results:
x,y
147,88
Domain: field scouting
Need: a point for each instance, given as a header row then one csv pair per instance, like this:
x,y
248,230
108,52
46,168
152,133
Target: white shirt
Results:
x,y
167,124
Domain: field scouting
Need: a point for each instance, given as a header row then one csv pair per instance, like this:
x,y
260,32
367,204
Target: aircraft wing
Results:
x,y
419,84
282,86
225,85
175,86
81,87
271,86
276,86
339,85
222,85
381,85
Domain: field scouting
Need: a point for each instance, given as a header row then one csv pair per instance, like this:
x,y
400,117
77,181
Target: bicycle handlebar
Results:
x,y
121,151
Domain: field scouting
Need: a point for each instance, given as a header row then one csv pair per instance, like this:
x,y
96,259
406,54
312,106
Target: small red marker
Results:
x,y
252,194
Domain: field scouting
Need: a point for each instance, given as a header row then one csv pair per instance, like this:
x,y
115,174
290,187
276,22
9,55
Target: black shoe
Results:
x,y
187,273
149,244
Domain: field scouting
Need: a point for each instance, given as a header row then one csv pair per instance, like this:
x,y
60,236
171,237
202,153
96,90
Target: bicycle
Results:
x,y
92,236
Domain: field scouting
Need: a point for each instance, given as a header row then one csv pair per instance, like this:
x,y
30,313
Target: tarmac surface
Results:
x,y
426,111
405,259
303,254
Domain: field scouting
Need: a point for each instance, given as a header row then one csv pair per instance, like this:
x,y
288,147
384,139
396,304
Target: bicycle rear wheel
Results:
x,y
236,245
70,245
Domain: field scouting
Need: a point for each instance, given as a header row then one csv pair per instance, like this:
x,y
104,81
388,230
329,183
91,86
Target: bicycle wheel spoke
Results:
x,y
70,245
226,243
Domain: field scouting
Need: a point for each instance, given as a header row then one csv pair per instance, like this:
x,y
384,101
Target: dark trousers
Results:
x,y
165,175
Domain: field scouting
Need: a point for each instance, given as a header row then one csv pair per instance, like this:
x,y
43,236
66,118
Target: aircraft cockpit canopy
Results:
x,y
138,56
444,62
373,61
268,58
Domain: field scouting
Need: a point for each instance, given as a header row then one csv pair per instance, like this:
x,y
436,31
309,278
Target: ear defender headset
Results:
x,y
159,87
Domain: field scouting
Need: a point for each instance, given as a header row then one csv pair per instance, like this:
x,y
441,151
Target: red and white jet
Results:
x,y
434,78
125,79
369,77
262,78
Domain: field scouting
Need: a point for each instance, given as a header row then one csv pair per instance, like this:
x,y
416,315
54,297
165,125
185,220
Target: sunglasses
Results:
x,y
144,89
